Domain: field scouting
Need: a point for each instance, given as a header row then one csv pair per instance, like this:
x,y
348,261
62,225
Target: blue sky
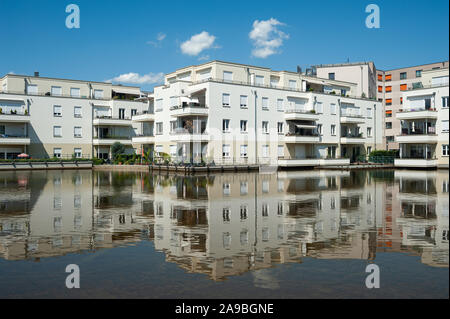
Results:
x,y
148,38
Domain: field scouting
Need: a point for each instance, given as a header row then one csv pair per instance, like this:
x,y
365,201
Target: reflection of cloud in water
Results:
x,y
263,279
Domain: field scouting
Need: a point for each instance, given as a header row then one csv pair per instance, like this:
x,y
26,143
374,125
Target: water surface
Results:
x,y
306,234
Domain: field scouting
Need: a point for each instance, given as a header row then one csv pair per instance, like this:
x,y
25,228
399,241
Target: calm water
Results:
x,y
307,234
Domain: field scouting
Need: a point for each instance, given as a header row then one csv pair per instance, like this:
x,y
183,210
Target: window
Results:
x,y
77,153
292,84
244,190
57,152
319,129
369,132
57,131
403,76
244,213
369,149
265,103
226,150
445,150
243,126
133,112
2,129
265,151
319,108
57,110
158,105
388,125
380,89
445,102
280,104
331,76
226,215
77,111
401,100
226,187
265,186
173,151
390,139
98,94
388,89
388,77
121,114
389,113
333,108
77,131
265,127
280,127
244,101
227,76
32,89
380,77
56,91
388,101
418,73
274,82
259,80
445,126
403,87
244,151
369,112
333,130
226,125
280,151
225,99
173,102
74,92
159,128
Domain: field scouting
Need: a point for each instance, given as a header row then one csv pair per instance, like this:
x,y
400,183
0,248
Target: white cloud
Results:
x,y
159,38
204,58
136,78
197,43
266,37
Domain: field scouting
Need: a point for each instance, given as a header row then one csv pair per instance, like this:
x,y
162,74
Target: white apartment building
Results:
x,y
49,117
221,112
424,138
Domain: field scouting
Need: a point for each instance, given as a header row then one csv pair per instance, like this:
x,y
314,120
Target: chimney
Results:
x,y
36,74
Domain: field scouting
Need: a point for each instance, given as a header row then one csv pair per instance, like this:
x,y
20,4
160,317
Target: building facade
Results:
x,y
221,112
48,117
424,122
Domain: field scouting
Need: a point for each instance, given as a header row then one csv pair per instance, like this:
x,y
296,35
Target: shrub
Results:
x,y
117,149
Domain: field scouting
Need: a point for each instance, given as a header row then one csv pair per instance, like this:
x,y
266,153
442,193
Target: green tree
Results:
x,y
117,149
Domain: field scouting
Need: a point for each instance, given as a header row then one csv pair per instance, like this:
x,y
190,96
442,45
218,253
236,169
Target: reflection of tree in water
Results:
x,y
357,179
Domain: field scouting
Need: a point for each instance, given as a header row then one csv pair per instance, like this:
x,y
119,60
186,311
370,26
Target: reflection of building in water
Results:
x,y
226,225
424,218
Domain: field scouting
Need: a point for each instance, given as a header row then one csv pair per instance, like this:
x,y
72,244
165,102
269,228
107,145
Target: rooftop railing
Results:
x,y
48,94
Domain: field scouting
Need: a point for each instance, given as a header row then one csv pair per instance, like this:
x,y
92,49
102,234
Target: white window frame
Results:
x,y
244,101
72,90
53,88
57,152
226,99
445,130
333,130
280,125
445,150
75,114
55,131
55,113
75,132
34,91
159,128
265,103
226,125
259,80
244,123
78,152
98,94
227,76
280,105
280,151
244,151
226,151
265,127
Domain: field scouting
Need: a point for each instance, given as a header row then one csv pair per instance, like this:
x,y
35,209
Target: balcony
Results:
x,y
302,138
143,117
110,140
143,139
187,109
189,135
416,162
419,136
14,140
353,139
352,119
296,114
108,120
414,114
312,162
14,118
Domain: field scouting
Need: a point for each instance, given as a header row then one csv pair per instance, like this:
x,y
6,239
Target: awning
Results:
x,y
12,100
306,126
197,91
125,90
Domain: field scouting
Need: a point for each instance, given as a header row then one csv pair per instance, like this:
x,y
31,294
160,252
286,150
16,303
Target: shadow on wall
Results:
x,y
36,148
